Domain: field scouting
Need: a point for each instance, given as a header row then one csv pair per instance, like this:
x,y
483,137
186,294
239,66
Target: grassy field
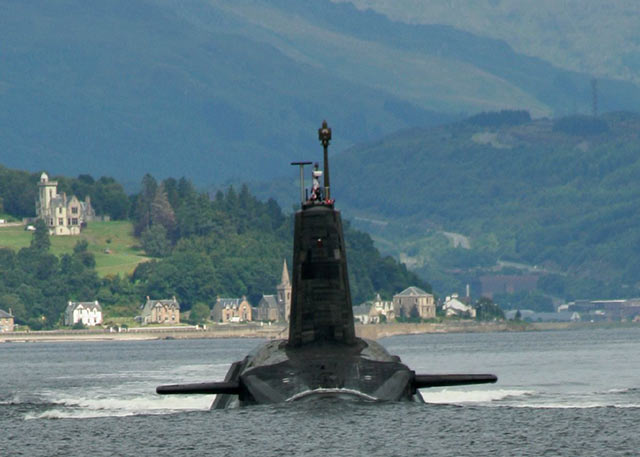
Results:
x,y
112,243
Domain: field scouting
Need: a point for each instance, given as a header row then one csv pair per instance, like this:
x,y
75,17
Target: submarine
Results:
x,y
322,356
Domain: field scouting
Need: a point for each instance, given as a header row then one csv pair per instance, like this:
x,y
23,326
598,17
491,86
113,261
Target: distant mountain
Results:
x,y
562,196
589,36
220,91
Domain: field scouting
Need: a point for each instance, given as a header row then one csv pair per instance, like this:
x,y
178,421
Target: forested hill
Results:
x,y
235,244
196,87
562,195
231,245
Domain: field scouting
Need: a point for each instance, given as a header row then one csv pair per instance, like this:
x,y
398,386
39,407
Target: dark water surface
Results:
x,y
574,393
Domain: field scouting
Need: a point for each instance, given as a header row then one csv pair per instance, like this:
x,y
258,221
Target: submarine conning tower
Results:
x,y
321,309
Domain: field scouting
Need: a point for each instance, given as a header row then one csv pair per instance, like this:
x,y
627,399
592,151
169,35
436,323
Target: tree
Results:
x,y
162,212
108,197
81,246
81,252
143,204
40,240
487,310
199,313
414,315
155,241
13,304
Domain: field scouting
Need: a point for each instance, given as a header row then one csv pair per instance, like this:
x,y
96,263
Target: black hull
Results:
x,y
276,373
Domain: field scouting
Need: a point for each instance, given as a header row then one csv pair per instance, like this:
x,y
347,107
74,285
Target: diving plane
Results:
x,y
322,357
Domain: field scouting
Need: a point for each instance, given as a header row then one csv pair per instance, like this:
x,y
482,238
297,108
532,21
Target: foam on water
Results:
x,y
147,403
447,396
612,398
83,407
577,405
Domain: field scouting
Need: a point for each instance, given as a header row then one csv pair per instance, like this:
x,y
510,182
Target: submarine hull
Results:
x,y
277,373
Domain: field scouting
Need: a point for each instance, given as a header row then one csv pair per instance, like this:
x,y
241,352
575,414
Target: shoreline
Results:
x,y
280,331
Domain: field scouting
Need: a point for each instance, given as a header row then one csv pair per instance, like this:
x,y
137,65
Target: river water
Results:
x,y
574,393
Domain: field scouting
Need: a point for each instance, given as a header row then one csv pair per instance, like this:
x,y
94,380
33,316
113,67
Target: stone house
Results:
x,y
231,310
160,312
414,302
88,313
6,322
276,307
453,306
63,215
268,309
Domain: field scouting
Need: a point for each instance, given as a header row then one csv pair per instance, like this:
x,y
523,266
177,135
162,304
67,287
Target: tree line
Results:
x,y
202,246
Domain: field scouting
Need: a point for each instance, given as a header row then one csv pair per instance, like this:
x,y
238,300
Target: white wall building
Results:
x,y
89,313
454,307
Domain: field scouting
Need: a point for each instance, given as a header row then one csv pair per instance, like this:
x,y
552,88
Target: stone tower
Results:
x,y
284,293
47,191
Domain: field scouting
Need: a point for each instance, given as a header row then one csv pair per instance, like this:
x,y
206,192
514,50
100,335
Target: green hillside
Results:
x,y
115,249
562,196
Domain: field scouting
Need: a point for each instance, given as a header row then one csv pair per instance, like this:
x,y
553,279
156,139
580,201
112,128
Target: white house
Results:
x,y
380,307
454,307
89,313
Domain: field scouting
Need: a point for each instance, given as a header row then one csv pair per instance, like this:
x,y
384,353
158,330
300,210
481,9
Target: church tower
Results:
x,y
284,293
47,191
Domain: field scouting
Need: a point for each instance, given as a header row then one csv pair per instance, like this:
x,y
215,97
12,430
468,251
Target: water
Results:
x,y
559,393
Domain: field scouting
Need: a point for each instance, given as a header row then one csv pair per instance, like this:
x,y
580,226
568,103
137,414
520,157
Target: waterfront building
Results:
x,y
377,310
160,312
268,309
88,313
361,313
6,321
63,215
453,306
232,310
414,302
381,310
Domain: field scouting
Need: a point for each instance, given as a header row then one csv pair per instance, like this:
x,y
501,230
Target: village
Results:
x,y
67,215
410,305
